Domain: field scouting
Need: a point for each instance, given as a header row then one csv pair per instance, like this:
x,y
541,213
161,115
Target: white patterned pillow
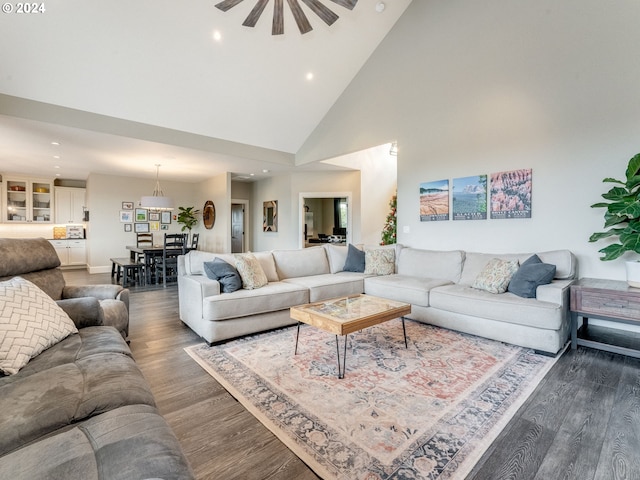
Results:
x,y
379,261
250,271
496,275
30,322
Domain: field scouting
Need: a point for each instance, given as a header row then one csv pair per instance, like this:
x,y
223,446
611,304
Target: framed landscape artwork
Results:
x,y
470,198
434,201
511,194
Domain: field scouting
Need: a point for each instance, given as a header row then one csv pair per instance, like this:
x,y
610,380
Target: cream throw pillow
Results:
x,y
379,261
30,322
250,271
496,275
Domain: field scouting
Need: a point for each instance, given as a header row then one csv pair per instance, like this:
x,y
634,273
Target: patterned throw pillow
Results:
x,y
250,271
496,275
30,322
379,261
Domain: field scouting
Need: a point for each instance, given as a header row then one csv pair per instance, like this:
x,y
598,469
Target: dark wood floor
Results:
x,y
583,421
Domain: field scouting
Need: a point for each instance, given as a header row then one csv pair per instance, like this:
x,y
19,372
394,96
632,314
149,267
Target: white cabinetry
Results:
x,y
28,200
72,252
69,204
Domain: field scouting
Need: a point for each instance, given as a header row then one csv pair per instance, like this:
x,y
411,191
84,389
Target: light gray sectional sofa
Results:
x,y
437,284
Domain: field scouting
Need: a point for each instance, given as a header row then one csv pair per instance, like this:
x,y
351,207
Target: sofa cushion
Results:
x,y
414,262
59,396
225,273
337,256
496,275
355,261
125,443
330,285
507,307
403,288
379,261
272,297
30,322
250,271
531,274
301,263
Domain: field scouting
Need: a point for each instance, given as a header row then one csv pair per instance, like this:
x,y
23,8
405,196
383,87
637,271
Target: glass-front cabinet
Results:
x,y
28,200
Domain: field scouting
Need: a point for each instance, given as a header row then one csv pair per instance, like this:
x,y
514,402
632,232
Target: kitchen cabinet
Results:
x,y
72,252
28,200
70,204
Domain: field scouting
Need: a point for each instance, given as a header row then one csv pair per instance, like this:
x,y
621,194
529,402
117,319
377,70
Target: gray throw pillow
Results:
x,y
224,273
355,260
531,273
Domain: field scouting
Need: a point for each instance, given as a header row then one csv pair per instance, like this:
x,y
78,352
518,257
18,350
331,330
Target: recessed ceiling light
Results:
x,y
310,76
56,166
251,174
380,7
264,170
56,156
217,36
57,174
57,144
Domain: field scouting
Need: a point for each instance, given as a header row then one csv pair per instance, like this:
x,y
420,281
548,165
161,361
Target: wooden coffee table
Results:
x,y
346,315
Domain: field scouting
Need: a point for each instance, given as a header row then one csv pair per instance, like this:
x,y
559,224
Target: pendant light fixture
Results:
x,y
157,201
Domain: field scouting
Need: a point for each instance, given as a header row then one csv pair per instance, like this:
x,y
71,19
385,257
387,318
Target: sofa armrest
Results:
x,y
101,292
192,290
85,312
555,292
115,313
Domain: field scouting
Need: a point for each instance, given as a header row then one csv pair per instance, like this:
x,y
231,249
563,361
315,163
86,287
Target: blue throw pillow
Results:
x,y
531,273
224,273
355,260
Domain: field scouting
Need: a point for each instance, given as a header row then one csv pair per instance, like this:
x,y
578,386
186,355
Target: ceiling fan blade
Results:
x,y
253,17
301,19
323,12
227,4
346,3
277,27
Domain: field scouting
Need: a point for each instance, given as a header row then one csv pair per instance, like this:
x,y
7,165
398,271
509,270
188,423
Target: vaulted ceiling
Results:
x,y
124,85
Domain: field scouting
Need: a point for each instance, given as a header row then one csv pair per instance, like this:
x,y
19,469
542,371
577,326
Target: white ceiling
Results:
x,y
204,106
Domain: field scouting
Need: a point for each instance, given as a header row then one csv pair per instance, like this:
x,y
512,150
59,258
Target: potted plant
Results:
x,y
187,218
622,218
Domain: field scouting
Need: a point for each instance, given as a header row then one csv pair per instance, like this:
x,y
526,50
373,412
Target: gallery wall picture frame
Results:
x,y
164,226
126,216
165,218
127,227
154,216
141,215
270,216
141,227
127,205
154,226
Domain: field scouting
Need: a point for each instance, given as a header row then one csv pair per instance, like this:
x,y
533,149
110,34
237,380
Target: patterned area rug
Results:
x,y
424,412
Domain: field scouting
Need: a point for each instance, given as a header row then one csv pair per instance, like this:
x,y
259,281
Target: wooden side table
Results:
x,y
611,300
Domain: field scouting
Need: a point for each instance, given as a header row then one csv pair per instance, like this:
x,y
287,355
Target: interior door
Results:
x,y
237,228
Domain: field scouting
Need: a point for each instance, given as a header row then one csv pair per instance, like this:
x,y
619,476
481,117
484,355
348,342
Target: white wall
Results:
x,y
106,237
218,190
286,189
479,87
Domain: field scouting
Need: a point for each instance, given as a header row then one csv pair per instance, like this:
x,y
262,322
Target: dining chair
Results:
x,y
167,264
194,241
144,240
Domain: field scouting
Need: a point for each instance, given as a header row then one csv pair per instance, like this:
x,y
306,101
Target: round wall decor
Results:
x,y
209,215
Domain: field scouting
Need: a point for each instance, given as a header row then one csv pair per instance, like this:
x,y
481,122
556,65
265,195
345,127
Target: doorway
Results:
x,y
238,226
325,218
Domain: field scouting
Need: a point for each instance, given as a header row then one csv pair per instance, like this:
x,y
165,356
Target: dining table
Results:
x,y
149,254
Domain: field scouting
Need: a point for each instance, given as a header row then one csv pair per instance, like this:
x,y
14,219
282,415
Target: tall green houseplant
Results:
x,y
187,217
622,217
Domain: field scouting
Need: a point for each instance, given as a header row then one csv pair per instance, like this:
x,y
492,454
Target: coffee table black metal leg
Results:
x,y
344,357
404,331
295,352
